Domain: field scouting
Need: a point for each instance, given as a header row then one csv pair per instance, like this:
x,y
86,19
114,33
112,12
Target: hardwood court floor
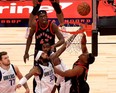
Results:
x,y
101,76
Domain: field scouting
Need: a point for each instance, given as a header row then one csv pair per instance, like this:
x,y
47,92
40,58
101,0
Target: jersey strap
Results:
x,y
13,69
39,67
0,75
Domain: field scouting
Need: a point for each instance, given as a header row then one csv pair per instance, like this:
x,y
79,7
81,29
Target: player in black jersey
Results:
x,y
45,31
78,73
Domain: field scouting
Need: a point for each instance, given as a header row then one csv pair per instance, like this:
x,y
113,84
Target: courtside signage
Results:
x,y
16,13
23,9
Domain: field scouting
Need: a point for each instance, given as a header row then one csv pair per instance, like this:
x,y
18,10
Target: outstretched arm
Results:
x,y
59,36
19,75
62,49
28,43
83,44
33,71
71,72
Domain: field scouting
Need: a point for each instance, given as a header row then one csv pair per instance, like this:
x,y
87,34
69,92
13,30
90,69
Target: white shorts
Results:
x,y
65,87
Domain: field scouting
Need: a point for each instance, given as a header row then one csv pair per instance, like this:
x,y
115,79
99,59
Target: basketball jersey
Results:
x,y
46,82
83,77
8,80
44,35
78,81
64,85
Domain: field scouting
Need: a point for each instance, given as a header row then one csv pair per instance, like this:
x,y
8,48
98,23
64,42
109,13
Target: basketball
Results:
x,y
83,9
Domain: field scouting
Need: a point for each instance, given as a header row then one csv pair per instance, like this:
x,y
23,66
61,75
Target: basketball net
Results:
x,y
75,47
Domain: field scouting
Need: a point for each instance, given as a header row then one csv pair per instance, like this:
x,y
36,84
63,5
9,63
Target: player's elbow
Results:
x,y
62,40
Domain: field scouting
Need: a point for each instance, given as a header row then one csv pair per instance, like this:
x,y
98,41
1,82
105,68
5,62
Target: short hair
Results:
x,y
2,53
41,12
91,58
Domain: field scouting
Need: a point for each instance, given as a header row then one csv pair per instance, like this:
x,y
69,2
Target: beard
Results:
x,y
46,60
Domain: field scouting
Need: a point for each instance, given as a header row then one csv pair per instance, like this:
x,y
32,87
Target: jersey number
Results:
x,y
51,77
12,82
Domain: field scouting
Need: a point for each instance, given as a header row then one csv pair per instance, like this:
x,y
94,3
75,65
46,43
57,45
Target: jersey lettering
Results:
x,y
9,77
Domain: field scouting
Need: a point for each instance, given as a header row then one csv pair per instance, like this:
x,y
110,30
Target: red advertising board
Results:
x,y
21,10
16,13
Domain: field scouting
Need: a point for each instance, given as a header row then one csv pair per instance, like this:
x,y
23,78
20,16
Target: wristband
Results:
x,y
23,81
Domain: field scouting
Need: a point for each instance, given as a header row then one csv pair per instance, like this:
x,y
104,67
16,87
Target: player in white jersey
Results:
x,y
46,82
8,73
43,72
64,84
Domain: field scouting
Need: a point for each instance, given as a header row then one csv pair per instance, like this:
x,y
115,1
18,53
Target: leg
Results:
x,y
59,13
36,6
32,17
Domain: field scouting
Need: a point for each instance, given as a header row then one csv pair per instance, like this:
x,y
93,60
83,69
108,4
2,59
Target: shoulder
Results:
x,y
56,61
54,26
35,70
14,66
33,26
78,69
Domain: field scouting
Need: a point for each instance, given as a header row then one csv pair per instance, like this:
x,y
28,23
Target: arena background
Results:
x,y
102,74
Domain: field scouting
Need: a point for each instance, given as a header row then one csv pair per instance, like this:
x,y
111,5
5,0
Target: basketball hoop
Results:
x,y
75,46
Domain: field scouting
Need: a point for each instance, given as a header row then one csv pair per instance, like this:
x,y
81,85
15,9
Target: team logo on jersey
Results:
x,y
47,30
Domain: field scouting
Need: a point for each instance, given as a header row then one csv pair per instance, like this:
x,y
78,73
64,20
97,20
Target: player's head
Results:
x,y
87,58
4,58
42,16
46,48
42,56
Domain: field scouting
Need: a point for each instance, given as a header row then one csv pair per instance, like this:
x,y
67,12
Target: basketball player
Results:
x,y
56,6
43,73
79,71
8,73
62,84
45,31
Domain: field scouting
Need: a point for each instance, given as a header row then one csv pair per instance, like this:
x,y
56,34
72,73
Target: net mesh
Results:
x,y
75,46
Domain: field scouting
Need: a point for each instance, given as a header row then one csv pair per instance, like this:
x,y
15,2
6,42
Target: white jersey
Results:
x,y
46,82
64,86
7,80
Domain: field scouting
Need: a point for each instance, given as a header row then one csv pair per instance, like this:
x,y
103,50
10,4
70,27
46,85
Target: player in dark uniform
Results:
x,y
44,31
78,73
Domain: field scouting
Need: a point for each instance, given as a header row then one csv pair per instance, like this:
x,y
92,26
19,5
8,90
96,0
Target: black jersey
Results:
x,y
44,35
79,84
